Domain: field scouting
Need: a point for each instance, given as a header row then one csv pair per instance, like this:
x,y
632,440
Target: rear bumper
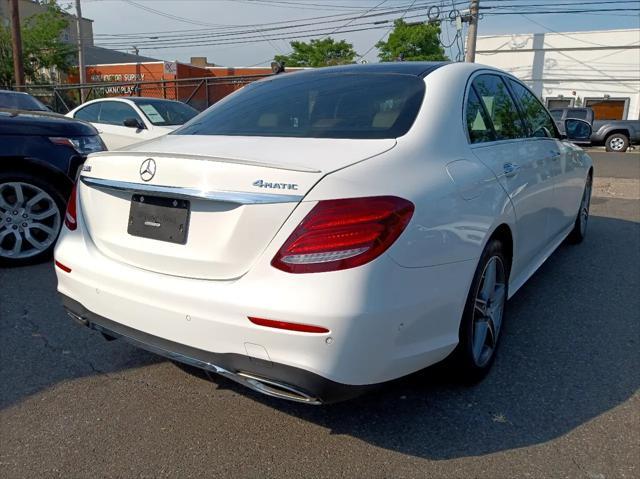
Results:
x,y
384,321
272,379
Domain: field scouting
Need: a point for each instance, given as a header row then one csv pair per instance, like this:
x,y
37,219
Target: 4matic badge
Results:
x,y
275,186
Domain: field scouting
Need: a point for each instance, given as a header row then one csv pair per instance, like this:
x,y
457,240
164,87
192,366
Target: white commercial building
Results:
x,y
599,69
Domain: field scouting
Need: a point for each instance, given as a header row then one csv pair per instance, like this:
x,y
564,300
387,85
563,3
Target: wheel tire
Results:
x,y
579,230
473,365
55,202
617,143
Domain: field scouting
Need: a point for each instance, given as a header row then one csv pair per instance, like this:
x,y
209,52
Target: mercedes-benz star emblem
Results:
x,y
148,169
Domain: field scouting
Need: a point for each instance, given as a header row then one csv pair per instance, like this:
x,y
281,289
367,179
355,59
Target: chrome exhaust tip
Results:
x,y
265,386
77,318
277,389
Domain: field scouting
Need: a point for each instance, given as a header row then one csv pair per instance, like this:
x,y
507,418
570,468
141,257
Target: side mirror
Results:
x,y
133,123
577,130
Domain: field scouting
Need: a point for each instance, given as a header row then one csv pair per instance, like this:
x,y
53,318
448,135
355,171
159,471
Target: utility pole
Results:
x,y
472,33
16,42
81,68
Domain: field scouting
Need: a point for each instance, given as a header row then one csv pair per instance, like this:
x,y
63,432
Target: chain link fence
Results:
x,y
199,93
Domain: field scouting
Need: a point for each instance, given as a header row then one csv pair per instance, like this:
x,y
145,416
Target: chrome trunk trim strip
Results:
x,y
237,197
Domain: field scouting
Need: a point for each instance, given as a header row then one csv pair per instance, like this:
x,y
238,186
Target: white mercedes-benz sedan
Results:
x,y
318,233
124,121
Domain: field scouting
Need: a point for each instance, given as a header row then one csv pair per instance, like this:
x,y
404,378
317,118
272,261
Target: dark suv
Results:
x,y
40,153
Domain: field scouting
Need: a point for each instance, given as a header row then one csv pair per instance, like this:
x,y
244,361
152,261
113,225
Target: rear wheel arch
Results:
x,y
504,234
621,131
40,169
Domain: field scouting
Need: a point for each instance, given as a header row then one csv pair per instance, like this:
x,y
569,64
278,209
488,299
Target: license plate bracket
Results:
x,y
159,218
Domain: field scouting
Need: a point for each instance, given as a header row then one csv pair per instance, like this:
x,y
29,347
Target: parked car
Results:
x,y
16,100
315,234
39,158
124,121
615,135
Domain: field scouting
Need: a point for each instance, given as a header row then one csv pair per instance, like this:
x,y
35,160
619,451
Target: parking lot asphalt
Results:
x,y
561,401
616,165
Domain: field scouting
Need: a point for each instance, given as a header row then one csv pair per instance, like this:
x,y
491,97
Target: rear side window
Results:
x,y
478,124
115,113
540,122
363,106
88,113
502,110
579,113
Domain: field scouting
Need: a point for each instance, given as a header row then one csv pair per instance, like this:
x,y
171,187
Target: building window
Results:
x,y
558,102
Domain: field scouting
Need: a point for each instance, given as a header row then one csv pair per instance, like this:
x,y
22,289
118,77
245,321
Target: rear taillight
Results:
x,y
341,234
71,216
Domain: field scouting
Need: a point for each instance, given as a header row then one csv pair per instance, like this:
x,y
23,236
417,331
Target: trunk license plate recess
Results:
x,y
159,218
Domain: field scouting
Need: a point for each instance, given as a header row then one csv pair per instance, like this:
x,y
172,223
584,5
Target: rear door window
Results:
x,y
89,113
502,110
539,121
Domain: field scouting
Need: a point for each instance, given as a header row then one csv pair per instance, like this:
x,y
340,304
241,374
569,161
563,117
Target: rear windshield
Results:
x,y
20,101
363,106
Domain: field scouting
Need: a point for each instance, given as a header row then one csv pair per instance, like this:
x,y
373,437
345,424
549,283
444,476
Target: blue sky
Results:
x,y
126,17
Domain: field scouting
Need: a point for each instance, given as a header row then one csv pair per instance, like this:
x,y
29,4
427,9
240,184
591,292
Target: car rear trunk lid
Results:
x,y
239,195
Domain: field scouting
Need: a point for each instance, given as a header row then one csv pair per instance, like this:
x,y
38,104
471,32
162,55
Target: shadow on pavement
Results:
x,y
569,353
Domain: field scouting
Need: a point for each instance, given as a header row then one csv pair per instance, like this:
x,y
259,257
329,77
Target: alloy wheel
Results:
x,y
488,311
29,220
616,144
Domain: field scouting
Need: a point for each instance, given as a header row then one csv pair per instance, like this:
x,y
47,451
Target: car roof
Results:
x,y
140,99
132,99
419,69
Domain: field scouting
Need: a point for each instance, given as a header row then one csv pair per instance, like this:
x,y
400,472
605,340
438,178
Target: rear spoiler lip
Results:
x,y
238,161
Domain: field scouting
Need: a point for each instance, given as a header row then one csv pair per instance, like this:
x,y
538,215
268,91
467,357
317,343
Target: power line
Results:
x,y
310,20
240,33
386,33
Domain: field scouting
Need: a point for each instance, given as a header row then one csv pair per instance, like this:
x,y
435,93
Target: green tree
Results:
x,y
318,53
416,42
42,47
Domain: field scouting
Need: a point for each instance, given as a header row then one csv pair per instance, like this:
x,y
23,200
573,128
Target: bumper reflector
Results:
x,y
303,328
64,268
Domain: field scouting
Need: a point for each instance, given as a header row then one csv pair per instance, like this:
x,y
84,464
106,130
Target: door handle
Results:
x,y
554,154
510,169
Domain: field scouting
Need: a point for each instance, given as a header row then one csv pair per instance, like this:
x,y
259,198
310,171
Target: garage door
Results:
x,y
607,109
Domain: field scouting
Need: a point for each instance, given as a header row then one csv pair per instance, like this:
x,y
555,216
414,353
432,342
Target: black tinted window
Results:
x,y
115,112
20,101
579,113
316,106
478,124
88,113
556,114
502,110
540,122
